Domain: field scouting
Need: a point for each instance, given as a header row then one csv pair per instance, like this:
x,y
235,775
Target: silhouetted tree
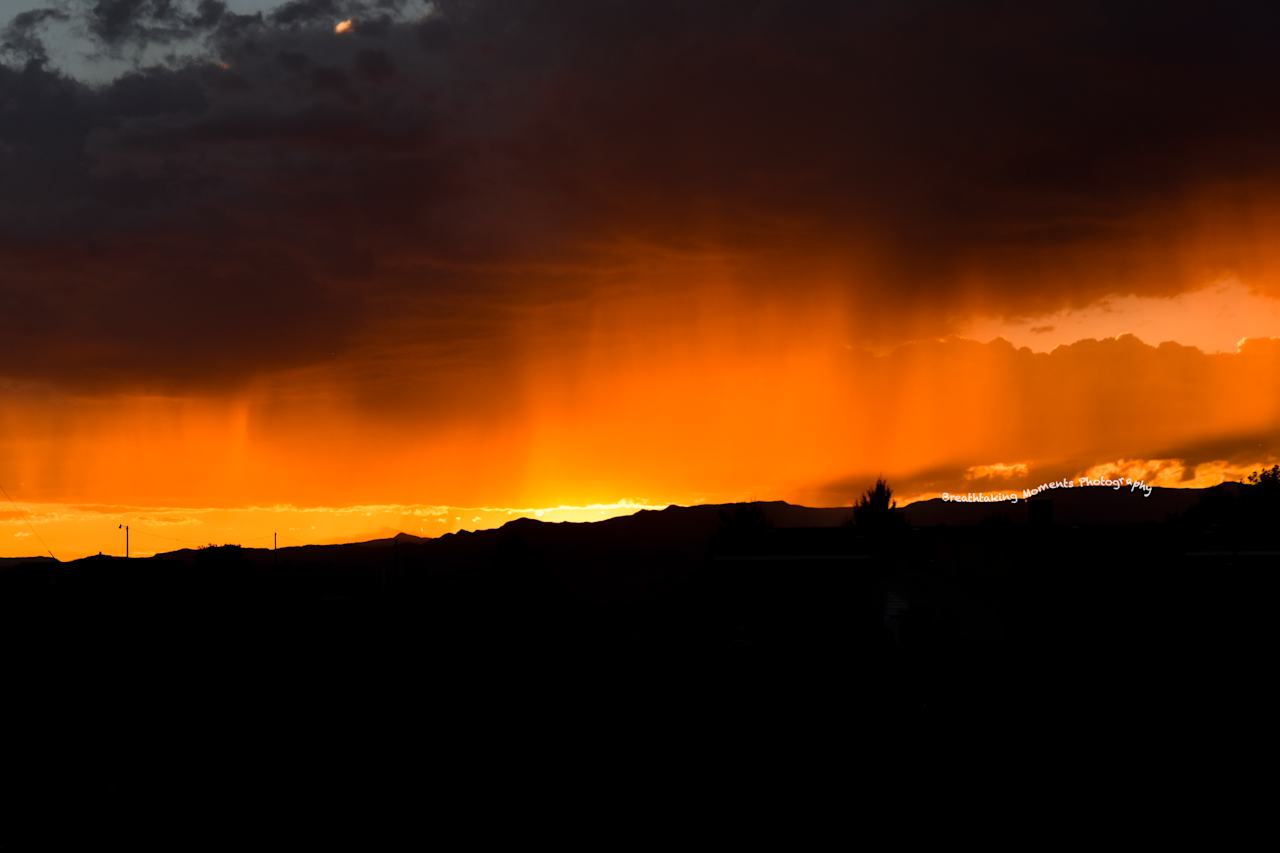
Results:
x,y
1264,494
1267,478
876,514
876,505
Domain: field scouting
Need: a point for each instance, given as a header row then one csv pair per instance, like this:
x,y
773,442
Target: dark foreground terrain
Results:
x,y
745,635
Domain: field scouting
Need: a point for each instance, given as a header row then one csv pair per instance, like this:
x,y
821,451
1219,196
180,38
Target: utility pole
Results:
x,y
126,539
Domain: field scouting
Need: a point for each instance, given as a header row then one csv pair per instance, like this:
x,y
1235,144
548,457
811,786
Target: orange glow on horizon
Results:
x,y
71,531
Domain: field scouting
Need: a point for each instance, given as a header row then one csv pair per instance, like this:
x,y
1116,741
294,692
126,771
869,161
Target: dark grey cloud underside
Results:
x,y
154,229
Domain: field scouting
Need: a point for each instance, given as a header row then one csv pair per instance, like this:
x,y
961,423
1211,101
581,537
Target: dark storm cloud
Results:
x,y
21,37
306,12
115,22
914,143
1240,447
209,13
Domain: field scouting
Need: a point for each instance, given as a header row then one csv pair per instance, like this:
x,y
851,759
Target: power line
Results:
x,y
26,518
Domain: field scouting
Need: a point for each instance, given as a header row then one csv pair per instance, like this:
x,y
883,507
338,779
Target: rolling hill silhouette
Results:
x,y
690,524
784,625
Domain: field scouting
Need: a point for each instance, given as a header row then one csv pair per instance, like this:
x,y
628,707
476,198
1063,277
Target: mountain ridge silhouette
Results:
x,y
1087,505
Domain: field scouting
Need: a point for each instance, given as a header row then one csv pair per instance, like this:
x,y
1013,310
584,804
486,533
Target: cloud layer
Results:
x,y
261,193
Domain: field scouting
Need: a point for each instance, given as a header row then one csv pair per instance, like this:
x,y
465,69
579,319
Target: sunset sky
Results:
x,y
340,268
